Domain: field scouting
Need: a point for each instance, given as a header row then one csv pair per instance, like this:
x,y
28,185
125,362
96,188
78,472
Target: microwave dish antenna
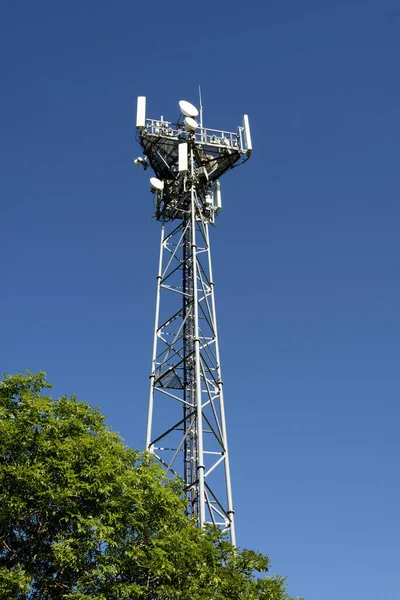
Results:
x,y
191,124
156,185
187,109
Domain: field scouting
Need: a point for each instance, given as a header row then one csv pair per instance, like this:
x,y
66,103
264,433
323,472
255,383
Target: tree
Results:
x,y
83,516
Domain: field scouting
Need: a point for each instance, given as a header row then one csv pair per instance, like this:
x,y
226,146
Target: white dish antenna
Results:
x,y
187,109
156,184
191,124
140,162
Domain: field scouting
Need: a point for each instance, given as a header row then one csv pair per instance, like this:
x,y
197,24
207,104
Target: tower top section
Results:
x,y
185,152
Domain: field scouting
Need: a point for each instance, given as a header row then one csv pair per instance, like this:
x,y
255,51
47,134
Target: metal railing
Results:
x,y
203,135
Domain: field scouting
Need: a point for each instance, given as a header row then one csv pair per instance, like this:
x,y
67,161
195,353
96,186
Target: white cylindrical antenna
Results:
x,y
183,157
217,196
141,112
247,136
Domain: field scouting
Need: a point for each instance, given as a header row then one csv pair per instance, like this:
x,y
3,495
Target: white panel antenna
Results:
x,y
141,112
217,196
183,157
247,135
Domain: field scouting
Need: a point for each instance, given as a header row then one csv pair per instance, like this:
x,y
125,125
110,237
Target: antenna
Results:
x,y
201,108
186,428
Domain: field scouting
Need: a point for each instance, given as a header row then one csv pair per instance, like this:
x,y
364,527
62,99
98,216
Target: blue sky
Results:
x,y
306,250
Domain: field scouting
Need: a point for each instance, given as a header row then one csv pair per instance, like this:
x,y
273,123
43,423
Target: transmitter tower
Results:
x,y
186,426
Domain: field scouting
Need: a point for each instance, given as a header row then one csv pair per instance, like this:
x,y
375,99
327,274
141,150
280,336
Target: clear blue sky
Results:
x,y
306,250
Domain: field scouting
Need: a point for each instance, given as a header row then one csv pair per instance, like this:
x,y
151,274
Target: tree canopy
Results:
x,y
83,516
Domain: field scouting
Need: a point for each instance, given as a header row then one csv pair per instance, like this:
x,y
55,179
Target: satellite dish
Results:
x,y
187,109
191,124
156,184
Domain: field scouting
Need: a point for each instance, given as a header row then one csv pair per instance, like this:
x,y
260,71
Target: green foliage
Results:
x,y
82,516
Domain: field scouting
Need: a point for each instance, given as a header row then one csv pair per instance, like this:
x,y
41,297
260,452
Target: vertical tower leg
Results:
x,y
197,367
230,510
154,355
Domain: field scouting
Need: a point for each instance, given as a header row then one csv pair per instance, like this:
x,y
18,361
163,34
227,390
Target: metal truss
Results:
x,y
186,427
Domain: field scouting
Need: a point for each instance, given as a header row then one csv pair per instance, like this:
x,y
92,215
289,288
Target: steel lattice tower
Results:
x,y
186,426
